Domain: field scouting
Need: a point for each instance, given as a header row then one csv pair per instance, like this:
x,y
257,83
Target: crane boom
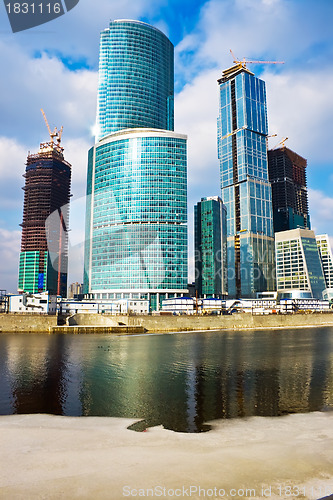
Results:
x,y
47,123
55,134
244,62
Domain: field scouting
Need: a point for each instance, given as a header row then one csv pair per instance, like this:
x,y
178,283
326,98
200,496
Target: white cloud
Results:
x,y
12,159
9,259
196,113
321,212
299,108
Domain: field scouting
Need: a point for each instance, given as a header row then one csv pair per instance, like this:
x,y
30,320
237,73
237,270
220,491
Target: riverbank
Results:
x,y
98,323
53,457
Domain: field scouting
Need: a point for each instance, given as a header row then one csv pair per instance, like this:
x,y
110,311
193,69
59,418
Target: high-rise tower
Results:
x,y
44,245
287,174
136,78
246,191
136,219
210,238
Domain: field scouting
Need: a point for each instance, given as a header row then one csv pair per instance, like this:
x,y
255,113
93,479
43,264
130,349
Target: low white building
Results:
x,y
37,303
179,305
294,305
104,306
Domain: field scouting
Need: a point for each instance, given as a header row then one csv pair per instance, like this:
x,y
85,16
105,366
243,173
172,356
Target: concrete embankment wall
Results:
x,y
187,323
160,324
233,322
26,322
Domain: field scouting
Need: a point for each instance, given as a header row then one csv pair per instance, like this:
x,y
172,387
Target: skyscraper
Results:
x,y
287,174
246,191
136,219
299,272
44,244
210,236
326,257
136,78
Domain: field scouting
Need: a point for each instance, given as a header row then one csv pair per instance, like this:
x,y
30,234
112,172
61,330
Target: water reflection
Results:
x,y
179,381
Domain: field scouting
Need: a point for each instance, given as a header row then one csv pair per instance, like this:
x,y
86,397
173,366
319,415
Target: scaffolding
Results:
x,y
46,190
287,174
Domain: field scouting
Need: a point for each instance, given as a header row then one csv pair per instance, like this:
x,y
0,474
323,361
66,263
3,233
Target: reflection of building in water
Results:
x,y
328,388
178,381
295,374
133,378
321,365
37,366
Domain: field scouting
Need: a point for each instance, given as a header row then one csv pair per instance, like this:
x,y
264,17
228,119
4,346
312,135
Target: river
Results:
x,y
180,381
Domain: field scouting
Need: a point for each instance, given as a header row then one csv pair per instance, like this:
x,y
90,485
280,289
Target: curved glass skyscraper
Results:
x,y
136,220
136,78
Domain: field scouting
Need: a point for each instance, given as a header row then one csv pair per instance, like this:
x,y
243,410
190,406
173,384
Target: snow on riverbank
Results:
x,y
53,457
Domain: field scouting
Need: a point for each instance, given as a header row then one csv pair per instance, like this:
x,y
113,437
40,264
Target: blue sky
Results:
x,y
54,67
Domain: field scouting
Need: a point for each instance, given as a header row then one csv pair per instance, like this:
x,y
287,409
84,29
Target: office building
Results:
x,y
74,290
210,237
287,174
326,257
44,244
136,218
246,190
299,272
136,78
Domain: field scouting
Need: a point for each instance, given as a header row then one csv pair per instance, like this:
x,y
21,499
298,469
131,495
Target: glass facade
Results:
x,y
210,227
246,191
136,78
326,257
298,265
137,213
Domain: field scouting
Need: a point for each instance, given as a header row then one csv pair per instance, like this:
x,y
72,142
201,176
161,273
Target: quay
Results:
x,y
139,324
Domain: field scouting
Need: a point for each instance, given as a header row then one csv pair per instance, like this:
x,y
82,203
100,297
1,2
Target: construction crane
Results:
x,y
55,134
244,62
281,143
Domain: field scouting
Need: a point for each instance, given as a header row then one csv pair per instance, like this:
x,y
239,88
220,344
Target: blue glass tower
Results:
x,y
136,217
246,191
136,78
210,241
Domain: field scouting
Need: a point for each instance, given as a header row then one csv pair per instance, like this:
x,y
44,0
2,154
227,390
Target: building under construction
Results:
x,y
287,174
44,245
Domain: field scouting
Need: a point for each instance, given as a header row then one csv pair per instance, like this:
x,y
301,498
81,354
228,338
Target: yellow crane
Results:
x,y
242,63
55,134
281,143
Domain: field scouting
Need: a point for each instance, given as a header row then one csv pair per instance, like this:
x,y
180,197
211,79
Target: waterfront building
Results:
x,y
287,174
246,190
299,272
136,217
210,238
104,306
326,257
44,244
38,303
